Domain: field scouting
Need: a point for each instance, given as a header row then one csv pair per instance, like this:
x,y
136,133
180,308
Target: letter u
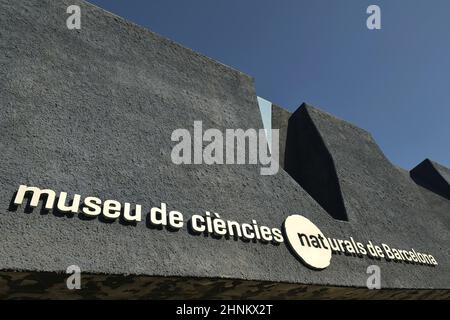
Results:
x,y
62,203
130,217
333,244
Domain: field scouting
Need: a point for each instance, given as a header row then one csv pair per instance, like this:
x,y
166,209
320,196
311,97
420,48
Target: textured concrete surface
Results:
x,y
378,197
280,121
92,112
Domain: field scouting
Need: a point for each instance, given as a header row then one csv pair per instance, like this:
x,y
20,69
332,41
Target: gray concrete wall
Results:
x,y
432,176
280,120
92,112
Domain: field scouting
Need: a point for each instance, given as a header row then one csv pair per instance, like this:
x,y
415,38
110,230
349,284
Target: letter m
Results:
x,y
36,196
240,137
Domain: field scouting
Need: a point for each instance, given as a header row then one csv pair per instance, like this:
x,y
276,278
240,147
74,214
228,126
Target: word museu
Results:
x,y
212,224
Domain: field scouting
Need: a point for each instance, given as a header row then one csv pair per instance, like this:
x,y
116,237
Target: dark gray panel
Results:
x,y
311,165
432,176
280,120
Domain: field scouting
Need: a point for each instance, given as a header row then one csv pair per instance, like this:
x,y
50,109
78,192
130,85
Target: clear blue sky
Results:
x,y
393,82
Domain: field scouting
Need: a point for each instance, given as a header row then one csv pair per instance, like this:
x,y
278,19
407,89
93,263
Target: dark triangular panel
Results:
x,y
433,177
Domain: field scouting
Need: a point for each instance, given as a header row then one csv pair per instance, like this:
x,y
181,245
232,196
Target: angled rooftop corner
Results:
x,y
304,155
432,176
342,167
309,162
132,25
275,117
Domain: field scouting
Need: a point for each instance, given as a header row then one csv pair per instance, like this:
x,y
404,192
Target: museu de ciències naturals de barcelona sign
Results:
x,y
305,239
